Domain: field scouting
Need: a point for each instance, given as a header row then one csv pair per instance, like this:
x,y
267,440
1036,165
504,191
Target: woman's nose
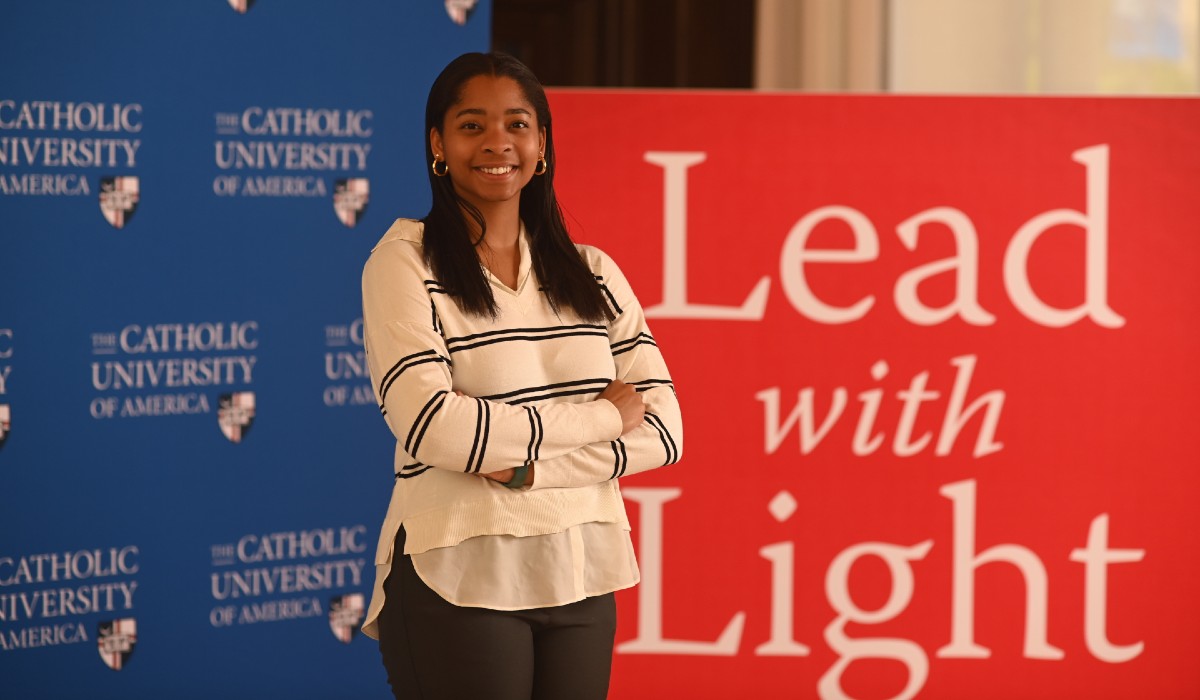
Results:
x,y
497,142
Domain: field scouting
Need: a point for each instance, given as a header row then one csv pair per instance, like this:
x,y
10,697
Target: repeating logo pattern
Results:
x,y
295,152
346,367
115,640
173,369
119,197
235,414
78,138
346,613
57,148
284,576
350,197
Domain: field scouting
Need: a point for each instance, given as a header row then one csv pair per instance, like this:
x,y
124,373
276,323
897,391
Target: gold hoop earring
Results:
x,y
433,167
542,165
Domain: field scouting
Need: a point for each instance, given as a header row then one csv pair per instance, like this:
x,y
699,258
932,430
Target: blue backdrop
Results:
x,y
192,469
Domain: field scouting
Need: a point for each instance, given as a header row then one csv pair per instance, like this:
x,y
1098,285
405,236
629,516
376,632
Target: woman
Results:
x,y
520,380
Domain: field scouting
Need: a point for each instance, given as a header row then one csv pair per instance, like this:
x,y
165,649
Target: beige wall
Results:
x,y
819,44
980,46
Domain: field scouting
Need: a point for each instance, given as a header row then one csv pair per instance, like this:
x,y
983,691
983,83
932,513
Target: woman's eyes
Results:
x,y
472,126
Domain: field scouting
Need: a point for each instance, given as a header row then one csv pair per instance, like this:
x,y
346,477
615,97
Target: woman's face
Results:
x,y
490,140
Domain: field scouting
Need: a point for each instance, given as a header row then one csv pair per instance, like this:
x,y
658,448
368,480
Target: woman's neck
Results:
x,y
503,226
498,250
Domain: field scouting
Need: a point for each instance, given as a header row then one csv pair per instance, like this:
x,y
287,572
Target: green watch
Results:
x,y
518,478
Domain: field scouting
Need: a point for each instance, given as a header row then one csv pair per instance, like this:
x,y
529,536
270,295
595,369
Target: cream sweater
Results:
x,y
529,379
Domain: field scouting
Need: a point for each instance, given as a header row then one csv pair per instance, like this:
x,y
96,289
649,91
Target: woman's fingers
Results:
x,y
628,402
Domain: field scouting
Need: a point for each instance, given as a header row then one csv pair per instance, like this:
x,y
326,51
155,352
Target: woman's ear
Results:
x,y
435,143
542,140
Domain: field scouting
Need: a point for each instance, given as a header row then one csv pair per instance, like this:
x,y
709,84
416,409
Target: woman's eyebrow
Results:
x,y
481,111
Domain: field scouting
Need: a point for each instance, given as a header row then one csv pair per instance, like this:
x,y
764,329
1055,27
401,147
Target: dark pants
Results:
x,y
434,650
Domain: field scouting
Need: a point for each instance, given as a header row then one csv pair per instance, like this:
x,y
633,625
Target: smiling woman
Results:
x,y
520,380
488,110
492,144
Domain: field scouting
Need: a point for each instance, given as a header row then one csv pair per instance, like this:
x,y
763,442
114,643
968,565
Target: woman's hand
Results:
x,y
502,476
506,475
627,401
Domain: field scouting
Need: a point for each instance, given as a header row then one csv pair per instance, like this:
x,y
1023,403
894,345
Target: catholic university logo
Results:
x,y
350,197
460,10
345,615
116,640
241,6
118,199
5,422
235,413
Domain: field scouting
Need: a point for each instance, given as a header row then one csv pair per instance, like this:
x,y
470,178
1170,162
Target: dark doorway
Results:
x,y
630,43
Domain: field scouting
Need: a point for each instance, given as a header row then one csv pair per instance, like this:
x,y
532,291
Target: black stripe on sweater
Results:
x,y
543,329
627,348
487,427
541,432
412,432
475,340
598,385
535,434
404,364
423,419
532,435
611,299
646,384
555,395
664,435
629,343
396,367
529,338
408,471
475,441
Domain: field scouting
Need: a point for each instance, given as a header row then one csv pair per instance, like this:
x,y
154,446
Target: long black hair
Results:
x,y
449,249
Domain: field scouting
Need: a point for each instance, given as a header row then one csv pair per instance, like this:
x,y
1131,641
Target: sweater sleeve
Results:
x,y
658,441
412,377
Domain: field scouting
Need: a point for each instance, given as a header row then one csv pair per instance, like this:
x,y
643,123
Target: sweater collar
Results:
x,y
523,269
414,231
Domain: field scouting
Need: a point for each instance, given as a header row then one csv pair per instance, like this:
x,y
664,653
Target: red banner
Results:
x,y
937,359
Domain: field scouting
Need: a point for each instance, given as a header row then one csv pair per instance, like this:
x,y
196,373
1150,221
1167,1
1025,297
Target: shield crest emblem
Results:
x,y
460,10
350,197
345,615
235,413
119,198
5,422
116,640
